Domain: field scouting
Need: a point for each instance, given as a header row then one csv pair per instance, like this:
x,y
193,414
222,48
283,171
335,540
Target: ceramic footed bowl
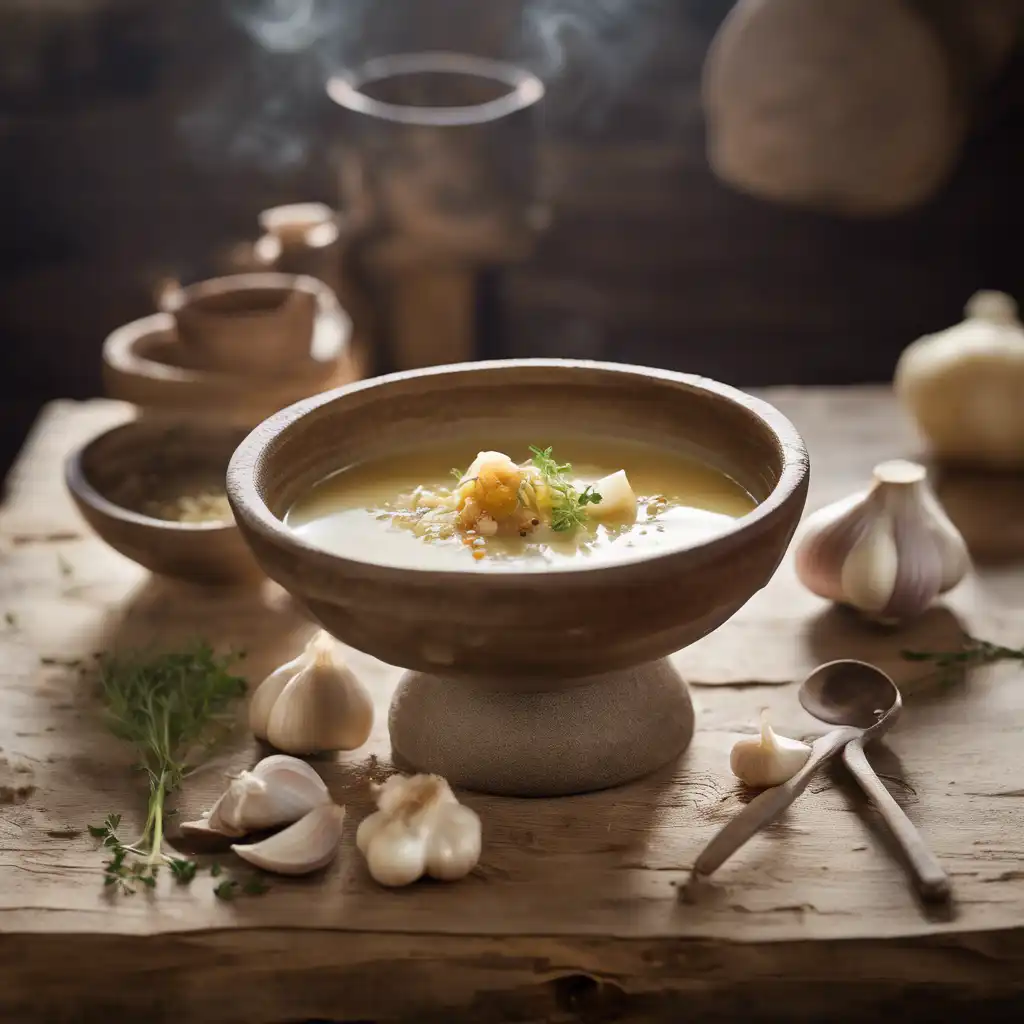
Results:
x,y
541,628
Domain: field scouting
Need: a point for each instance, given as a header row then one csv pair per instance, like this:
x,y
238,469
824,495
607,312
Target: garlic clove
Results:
x,y
202,829
266,694
278,791
453,846
307,845
324,707
889,551
397,855
768,759
868,575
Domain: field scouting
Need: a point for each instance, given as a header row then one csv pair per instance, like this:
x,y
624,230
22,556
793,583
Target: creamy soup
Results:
x,y
518,506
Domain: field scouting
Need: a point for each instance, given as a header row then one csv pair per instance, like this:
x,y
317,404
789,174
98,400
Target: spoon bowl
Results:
x,y
848,692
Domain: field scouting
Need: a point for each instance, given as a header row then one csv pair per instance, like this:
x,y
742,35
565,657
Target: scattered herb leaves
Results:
x,y
567,503
215,870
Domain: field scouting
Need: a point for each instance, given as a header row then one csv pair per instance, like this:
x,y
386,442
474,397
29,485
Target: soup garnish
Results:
x,y
543,511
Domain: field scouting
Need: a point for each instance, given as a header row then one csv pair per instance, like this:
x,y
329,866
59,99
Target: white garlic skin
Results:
x,y
279,790
308,845
888,551
963,386
266,694
768,759
323,707
419,829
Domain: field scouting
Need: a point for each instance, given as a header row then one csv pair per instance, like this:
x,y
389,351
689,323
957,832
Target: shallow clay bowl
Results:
x,y
530,627
113,477
144,363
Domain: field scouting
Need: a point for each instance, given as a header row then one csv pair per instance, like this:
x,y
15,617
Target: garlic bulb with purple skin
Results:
x,y
888,551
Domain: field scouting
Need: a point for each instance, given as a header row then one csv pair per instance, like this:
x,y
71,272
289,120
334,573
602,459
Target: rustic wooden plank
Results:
x,y
574,908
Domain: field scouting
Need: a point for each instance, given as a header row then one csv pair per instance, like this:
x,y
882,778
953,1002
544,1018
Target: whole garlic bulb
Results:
x,y
889,551
768,759
313,704
279,790
419,829
963,385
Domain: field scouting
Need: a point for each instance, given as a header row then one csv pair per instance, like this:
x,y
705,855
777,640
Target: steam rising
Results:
x,y
266,110
589,51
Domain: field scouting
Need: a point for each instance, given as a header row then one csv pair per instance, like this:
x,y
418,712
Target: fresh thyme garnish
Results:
x,y
170,708
457,473
567,504
950,665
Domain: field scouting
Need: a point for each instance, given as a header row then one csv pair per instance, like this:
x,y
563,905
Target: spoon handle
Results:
x,y
767,806
931,881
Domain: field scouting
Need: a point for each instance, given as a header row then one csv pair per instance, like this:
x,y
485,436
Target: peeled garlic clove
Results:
x,y
266,694
888,552
453,845
617,502
324,707
769,759
309,844
278,791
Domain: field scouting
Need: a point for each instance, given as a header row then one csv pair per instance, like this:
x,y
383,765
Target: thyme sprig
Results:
x,y
568,505
973,652
171,708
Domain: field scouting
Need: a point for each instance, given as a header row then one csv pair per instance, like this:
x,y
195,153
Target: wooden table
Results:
x,y
574,912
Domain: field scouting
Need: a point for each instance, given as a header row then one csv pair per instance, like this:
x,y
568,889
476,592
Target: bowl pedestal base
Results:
x,y
602,732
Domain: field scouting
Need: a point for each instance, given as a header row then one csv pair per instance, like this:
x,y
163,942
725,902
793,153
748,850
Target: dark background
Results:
x,y
140,138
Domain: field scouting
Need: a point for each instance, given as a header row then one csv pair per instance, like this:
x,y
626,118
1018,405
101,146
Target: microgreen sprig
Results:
x,y
568,505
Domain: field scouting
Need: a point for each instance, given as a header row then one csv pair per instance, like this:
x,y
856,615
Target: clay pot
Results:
x,y
253,324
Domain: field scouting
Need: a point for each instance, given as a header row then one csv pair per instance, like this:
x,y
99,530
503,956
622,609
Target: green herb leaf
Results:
x,y
567,504
183,870
226,890
255,887
98,831
215,870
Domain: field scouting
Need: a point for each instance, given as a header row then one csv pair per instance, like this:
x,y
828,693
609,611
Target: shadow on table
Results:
x,y
263,622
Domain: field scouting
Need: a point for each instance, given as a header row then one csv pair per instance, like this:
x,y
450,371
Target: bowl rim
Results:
x,y
82,489
524,89
250,508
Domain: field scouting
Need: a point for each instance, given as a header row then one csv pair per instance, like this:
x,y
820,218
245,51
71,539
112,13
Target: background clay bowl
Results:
x,y
144,364
523,629
112,476
260,323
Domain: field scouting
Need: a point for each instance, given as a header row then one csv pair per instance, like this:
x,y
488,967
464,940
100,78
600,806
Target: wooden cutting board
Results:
x,y
574,911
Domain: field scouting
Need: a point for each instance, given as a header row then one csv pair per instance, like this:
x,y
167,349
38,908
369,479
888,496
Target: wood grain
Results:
x,y
574,910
